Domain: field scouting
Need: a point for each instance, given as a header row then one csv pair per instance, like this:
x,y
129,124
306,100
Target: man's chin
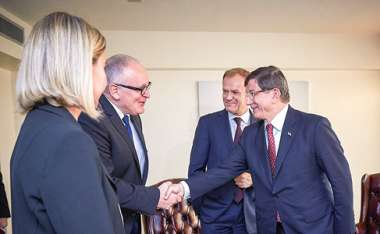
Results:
x,y
232,111
141,111
230,108
258,115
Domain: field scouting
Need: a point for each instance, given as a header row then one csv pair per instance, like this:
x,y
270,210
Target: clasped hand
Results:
x,y
244,180
169,195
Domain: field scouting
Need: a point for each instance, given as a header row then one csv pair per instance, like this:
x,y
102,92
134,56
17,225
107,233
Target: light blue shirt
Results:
x,y
244,123
136,139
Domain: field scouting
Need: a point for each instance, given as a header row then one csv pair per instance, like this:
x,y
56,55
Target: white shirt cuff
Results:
x,y
186,190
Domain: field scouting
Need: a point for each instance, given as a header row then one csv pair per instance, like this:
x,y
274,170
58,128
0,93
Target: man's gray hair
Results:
x,y
115,66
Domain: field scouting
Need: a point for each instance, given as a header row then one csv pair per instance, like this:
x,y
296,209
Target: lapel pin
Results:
x,y
289,134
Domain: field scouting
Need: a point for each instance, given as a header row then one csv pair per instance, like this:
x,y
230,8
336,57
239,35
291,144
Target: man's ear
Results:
x,y
276,94
113,91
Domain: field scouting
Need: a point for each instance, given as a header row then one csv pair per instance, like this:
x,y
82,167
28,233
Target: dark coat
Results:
x,y
59,184
119,156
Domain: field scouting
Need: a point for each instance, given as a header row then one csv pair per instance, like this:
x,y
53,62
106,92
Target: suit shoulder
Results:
x,y
90,125
43,138
47,123
212,116
61,132
310,117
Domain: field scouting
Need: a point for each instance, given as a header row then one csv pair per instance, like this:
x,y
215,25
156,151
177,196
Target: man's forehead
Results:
x,y
252,84
135,74
233,81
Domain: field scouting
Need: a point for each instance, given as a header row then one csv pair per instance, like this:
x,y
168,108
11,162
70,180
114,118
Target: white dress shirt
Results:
x,y
277,122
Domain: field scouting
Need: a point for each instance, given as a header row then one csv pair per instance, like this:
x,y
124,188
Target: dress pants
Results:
x,y
232,222
279,229
136,225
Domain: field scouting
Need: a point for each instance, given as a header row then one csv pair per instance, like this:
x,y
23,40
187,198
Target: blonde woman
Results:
x,y
58,182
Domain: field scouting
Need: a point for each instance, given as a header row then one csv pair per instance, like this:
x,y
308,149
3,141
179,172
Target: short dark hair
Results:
x,y
269,78
236,71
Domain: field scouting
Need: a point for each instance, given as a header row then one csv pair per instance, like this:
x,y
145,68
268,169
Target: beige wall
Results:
x,y
208,50
8,121
343,72
7,125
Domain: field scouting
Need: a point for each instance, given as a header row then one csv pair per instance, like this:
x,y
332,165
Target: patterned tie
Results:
x,y
128,126
272,156
239,194
271,148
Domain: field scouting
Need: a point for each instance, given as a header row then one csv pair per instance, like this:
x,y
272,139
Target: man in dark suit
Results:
x,y
120,140
4,209
302,179
221,210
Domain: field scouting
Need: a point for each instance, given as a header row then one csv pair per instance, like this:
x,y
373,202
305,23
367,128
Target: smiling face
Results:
x,y
234,95
262,103
131,101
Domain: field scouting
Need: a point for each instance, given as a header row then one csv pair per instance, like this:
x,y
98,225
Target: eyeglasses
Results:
x,y
143,89
252,94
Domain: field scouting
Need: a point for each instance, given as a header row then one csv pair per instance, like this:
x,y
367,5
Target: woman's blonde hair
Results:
x,y
56,65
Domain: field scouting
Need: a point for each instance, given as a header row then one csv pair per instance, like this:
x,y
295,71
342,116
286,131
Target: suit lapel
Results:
x,y
287,137
119,127
227,128
137,124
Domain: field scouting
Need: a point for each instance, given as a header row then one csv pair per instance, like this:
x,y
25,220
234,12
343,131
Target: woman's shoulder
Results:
x,y
53,129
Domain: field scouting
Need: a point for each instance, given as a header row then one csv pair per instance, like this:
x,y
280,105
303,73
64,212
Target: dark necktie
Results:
x,y
239,194
238,131
128,126
271,148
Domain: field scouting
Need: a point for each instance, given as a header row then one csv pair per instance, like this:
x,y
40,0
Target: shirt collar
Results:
x,y
279,120
118,111
245,117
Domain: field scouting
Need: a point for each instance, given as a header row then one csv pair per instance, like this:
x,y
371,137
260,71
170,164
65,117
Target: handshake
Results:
x,y
170,194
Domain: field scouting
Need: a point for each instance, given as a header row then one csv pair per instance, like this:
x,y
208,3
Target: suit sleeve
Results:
x,y
134,197
333,162
199,155
4,209
72,188
231,167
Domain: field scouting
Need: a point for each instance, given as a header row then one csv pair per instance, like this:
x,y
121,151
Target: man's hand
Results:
x,y
3,222
176,189
244,180
166,202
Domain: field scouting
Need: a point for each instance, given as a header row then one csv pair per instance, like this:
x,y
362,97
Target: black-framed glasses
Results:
x,y
143,89
251,94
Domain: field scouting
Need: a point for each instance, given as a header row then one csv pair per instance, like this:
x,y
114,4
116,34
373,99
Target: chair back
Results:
x,y
180,218
369,221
